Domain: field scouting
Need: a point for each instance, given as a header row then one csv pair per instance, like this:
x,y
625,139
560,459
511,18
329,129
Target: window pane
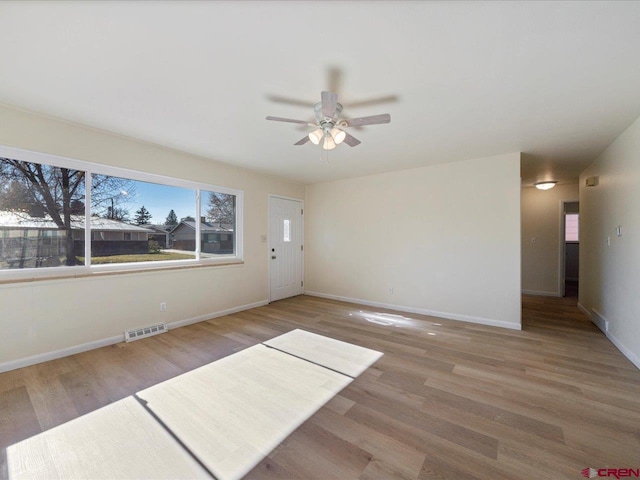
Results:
x,y
571,227
134,221
286,230
218,224
41,215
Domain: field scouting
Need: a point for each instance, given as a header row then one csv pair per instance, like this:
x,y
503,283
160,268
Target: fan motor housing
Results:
x,y
322,120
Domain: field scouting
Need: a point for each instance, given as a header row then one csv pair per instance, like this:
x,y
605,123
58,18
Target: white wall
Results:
x,y
610,275
446,238
541,212
37,318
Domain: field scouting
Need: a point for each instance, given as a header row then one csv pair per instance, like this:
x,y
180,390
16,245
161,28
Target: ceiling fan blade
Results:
x,y
279,119
372,101
329,102
351,140
303,140
334,79
290,101
372,120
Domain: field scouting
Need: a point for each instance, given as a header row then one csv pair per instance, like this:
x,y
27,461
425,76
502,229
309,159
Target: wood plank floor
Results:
x,y
448,400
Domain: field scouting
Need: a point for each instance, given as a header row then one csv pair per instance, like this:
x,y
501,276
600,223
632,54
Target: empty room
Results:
x,y
319,240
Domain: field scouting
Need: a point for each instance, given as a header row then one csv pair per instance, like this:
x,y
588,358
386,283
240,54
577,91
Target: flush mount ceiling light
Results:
x,y
329,128
545,185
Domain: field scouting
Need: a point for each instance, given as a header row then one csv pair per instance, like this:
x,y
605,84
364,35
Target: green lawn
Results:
x,y
143,257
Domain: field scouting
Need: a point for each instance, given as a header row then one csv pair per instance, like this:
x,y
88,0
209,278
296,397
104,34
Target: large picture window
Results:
x,y
134,221
217,224
62,213
41,213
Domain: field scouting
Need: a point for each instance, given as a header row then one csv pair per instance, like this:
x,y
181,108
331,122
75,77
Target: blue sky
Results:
x,y
160,199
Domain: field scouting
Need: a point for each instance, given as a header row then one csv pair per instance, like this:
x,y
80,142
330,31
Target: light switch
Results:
x,y
608,241
619,231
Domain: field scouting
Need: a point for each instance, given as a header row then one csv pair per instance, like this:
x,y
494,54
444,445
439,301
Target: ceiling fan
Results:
x,y
329,130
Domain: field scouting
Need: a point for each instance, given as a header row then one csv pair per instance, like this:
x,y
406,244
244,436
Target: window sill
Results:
x,y
107,270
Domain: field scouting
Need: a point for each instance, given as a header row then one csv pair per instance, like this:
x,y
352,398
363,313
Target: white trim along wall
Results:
x,y
609,242
432,240
443,240
45,316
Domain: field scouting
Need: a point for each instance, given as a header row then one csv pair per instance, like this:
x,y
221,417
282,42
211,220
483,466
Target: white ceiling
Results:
x,y
558,81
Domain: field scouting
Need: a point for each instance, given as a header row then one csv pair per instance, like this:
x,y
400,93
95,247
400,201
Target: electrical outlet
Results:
x,y
163,306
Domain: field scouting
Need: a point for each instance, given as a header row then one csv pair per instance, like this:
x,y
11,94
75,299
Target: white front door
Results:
x,y
285,248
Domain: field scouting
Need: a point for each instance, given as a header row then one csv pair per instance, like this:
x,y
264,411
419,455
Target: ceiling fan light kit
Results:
x,y
338,135
329,131
316,136
328,143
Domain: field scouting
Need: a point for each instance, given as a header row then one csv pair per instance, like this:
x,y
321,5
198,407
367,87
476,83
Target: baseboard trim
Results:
x,y
584,310
221,313
599,321
602,323
632,357
421,311
540,293
65,352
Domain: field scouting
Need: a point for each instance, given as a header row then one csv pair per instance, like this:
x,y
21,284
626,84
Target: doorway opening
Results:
x,y
570,233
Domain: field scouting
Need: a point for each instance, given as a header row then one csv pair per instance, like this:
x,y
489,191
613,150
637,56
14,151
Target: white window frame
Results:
x,y
94,168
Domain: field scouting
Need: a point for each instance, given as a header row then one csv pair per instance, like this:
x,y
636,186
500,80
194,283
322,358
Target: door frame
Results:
x,y
283,197
562,254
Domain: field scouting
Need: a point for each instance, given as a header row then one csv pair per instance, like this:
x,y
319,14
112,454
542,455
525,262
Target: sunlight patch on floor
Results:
x,y
218,420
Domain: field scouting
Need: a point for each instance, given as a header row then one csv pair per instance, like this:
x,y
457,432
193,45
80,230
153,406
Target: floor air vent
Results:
x,y
138,333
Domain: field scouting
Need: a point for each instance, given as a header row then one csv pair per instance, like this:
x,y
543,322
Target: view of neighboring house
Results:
x,y
216,237
27,241
161,235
